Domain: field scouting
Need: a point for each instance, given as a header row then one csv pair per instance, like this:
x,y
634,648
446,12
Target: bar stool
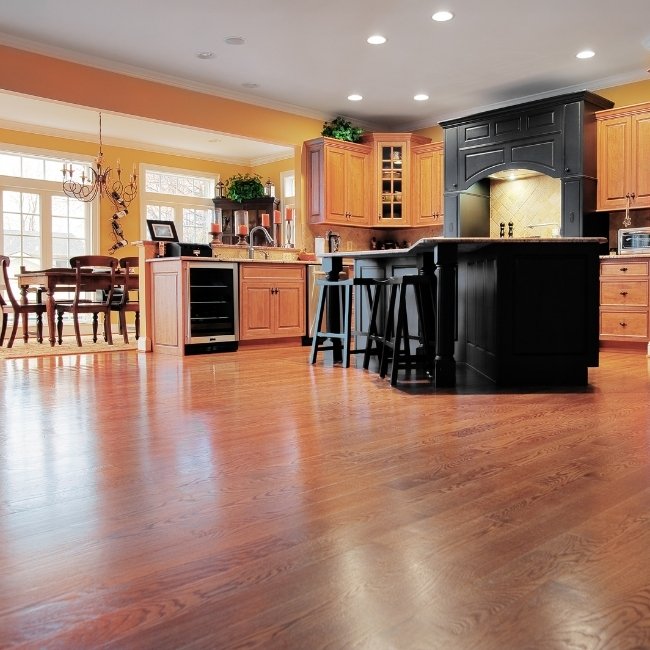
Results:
x,y
342,338
395,342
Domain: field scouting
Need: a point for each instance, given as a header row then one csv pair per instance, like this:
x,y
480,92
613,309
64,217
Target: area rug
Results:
x,y
69,346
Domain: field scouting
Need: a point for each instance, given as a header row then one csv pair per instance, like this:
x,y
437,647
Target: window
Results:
x,y
182,197
40,227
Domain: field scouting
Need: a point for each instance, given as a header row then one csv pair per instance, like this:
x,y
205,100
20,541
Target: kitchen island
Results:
x,y
518,311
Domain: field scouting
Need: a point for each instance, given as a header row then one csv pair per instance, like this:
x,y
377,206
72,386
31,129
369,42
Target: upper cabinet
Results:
x,y
338,181
624,157
392,156
428,185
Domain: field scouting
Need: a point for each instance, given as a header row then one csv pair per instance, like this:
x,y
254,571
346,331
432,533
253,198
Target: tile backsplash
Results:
x,y
533,204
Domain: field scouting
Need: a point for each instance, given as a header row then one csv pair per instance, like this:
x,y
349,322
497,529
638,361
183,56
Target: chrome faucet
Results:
x,y
251,248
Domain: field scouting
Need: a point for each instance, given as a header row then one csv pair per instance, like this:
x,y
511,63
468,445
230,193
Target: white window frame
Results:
x,y
175,201
46,190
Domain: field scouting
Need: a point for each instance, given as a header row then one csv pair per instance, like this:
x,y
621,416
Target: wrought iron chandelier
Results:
x,y
99,182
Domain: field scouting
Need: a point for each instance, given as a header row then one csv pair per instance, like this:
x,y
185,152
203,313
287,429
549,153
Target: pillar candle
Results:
x,y
215,227
277,216
289,214
243,229
265,219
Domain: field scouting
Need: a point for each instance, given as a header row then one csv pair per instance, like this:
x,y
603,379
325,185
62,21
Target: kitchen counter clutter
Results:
x,y
518,311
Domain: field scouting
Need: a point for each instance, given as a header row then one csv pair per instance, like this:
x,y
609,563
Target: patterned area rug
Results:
x,y
69,346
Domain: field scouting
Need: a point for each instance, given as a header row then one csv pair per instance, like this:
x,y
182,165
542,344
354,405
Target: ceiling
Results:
x,y
307,56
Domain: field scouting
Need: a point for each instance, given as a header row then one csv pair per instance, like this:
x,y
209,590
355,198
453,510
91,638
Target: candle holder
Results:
x,y
217,240
289,230
241,222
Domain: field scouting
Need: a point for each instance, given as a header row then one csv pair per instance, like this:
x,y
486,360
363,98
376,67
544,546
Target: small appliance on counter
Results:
x,y
634,241
183,249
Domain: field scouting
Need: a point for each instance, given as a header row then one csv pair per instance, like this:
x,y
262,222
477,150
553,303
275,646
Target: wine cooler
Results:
x,y
212,307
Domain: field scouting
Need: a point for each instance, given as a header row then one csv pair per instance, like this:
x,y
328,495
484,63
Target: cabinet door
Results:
x,y
641,160
356,188
335,184
614,159
428,187
392,169
256,313
289,304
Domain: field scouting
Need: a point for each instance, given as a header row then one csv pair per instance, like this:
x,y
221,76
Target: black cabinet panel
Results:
x,y
541,156
477,164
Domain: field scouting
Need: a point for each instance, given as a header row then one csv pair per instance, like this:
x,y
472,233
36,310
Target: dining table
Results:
x,y
48,282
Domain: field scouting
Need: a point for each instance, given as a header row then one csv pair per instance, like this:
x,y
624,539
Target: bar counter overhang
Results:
x,y
519,311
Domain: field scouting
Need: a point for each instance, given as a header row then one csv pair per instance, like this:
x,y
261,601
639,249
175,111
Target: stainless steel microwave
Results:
x,y
634,241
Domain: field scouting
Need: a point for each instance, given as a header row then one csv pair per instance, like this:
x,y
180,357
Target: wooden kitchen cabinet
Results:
x,y
392,158
338,182
624,286
272,301
428,185
624,157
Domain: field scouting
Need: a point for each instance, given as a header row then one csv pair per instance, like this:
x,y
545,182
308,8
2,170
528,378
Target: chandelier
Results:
x,y
99,182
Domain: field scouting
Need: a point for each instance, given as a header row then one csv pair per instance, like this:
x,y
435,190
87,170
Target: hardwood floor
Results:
x,y
249,500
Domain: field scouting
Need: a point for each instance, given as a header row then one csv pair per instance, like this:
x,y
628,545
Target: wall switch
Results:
x,y
348,245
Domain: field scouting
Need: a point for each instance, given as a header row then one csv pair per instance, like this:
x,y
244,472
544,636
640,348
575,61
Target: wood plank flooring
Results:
x,y
249,500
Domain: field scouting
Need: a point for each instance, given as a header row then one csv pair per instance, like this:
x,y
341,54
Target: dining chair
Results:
x,y
123,300
83,264
18,310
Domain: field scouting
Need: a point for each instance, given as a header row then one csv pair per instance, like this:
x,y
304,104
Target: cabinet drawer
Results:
x,y
272,271
633,293
624,323
621,268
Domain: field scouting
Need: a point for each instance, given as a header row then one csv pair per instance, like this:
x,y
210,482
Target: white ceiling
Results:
x,y
308,55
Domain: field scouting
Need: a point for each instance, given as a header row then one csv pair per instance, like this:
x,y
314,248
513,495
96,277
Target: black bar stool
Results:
x,y
395,342
341,339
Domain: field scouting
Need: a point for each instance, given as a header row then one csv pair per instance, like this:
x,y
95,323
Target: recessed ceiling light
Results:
x,y
585,54
355,98
250,84
234,40
442,16
205,55
421,97
376,39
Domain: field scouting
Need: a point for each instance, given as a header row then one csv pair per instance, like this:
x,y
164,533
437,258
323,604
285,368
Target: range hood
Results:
x,y
554,136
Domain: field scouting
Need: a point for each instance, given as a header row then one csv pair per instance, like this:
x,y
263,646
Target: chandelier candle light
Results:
x,y
99,182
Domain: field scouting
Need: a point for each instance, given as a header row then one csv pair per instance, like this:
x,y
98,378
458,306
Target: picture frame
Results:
x,y
162,230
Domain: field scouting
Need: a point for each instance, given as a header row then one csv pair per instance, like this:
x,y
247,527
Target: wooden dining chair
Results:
x,y
123,300
18,310
79,304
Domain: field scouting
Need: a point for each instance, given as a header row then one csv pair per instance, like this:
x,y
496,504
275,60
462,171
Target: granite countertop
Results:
x,y
239,260
467,242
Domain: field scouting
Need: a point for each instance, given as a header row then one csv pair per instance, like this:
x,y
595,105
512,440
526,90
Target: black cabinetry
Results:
x,y
554,136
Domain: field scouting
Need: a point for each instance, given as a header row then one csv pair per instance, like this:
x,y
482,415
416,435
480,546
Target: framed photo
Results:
x,y
162,230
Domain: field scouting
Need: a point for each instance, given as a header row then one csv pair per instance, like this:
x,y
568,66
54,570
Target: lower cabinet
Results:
x,y
624,292
272,301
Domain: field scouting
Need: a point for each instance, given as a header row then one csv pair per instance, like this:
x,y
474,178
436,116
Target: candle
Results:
x,y
265,219
243,229
215,228
289,214
276,216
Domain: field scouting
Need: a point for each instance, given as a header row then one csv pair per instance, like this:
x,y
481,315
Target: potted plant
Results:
x,y
341,129
244,187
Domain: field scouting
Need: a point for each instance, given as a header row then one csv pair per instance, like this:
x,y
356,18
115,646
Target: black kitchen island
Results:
x,y
519,311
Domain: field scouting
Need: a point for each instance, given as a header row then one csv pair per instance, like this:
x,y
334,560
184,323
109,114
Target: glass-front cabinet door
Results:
x,y
392,154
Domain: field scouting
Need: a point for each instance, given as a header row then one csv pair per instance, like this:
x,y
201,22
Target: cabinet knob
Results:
x,y
567,170
623,293
623,324
623,269
632,195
